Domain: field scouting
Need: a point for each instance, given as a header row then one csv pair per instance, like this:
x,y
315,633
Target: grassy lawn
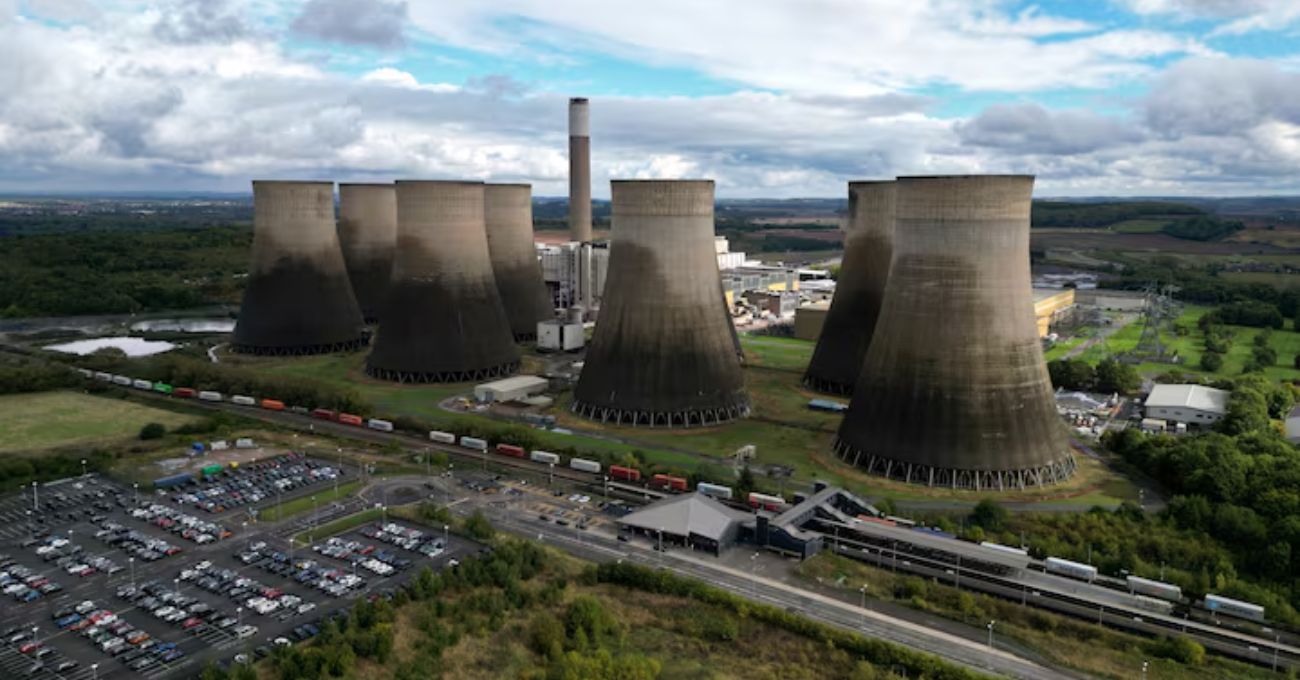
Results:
x,y
52,419
1060,349
1139,226
1275,279
303,504
338,526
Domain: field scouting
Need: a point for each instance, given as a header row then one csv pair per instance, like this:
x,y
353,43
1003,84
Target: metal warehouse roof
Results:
x,y
684,515
1189,396
518,382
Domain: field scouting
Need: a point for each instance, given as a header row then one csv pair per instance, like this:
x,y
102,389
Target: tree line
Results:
x,y
1094,215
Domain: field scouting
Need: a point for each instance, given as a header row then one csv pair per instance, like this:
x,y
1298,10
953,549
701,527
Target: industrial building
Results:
x,y
561,335
664,352
298,299
953,390
726,258
575,273
508,216
443,320
693,520
778,305
809,319
368,235
757,277
514,388
1191,405
1050,306
847,330
579,169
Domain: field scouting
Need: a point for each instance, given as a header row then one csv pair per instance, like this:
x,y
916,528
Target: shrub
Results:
x,y
1212,361
153,431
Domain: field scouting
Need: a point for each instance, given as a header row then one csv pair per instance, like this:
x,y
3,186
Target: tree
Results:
x,y
989,515
1211,361
1072,374
1247,412
479,527
1113,376
153,431
1264,356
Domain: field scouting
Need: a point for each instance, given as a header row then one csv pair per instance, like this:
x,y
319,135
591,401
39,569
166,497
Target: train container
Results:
x,y
380,425
324,414
243,400
220,445
349,419
1237,608
212,470
875,520
473,443
584,465
1004,548
104,377
901,521
1160,589
210,396
511,450
1152,604
545,457
173,481
142,385
86,372
668,482
162,388
626,474
300,410
245,443
184,392
1056,565
768,502
273,404
121,380
715,490
442,437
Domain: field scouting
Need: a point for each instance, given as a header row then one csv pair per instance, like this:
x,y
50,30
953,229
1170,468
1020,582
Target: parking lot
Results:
x,y
141,594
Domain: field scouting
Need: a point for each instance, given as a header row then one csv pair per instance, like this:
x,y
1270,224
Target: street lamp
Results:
x,y
990,627
1144,670
136,486
83,467
239,615
94,670
446,541
753,572
863,591
177,582
36,504
130,561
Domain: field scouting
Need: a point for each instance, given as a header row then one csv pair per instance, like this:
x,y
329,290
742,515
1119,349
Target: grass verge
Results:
x,y
47,420
303,504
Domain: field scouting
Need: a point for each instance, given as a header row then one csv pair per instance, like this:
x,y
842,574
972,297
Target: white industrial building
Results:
x,y
1192,405
516,388
1293,425
575,273
726,258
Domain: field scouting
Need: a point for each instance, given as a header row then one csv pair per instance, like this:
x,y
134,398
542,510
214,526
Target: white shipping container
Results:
x,y
381,425
106,377
220,445
245,443
1057,565
142,384
545,457
1146,586
1005,548
121,380
584,465
243,400
715,490
443,437
210,396
85,372
1223,605
473,443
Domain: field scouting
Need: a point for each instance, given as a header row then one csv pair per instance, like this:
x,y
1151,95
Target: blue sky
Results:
x,y
773,98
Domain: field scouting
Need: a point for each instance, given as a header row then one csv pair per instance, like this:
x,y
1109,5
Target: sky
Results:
x,y
769,98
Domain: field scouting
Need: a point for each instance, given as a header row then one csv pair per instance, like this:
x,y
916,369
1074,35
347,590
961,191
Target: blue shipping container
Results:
x,y
173,481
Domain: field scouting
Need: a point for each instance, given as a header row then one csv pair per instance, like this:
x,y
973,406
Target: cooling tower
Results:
x,y
442,319
508,212
368,230
953,390
851,320
579,170
662,354
298,299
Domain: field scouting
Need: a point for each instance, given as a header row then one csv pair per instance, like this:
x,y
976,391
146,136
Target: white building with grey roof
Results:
x,y
1194,405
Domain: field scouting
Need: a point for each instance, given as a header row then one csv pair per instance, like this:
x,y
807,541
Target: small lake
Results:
x,y
185,326
133,347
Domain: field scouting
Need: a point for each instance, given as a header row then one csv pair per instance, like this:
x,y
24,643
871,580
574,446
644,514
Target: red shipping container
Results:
x,y
511,450
625,473
349,419
669,482
272,405
185,392
323,414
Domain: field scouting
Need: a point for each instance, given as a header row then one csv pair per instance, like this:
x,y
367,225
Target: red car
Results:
x,y
191,622
30,647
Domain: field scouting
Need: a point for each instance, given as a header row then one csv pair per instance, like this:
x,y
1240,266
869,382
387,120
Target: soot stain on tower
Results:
x,y
851,320
442,320
954,390
662,354
508,213
368,232
298,299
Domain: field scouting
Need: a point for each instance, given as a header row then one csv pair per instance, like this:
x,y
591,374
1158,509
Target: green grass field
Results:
x,y
1275,279
53,419
303,504
1139,226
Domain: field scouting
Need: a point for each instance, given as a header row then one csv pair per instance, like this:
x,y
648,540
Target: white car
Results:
x,y
245,631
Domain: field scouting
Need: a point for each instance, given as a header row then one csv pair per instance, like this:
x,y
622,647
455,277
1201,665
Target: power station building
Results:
x,y
368,234
847,330
298,299
508,215
663,353
953,390
443,320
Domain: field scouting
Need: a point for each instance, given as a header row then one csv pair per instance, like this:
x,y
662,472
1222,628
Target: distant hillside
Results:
x,y
1100,215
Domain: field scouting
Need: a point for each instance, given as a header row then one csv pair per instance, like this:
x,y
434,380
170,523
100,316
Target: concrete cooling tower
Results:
x,y
579,169
368,231
851,319
954,391
442,320
508,212
298,299
662,354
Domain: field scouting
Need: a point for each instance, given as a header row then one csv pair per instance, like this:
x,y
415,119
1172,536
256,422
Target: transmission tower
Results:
x,y
1159,313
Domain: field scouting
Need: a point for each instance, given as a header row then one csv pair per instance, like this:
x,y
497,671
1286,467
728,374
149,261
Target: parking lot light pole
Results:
x,y
863,590
130,561
990,627
239,616
94,671
83,467
177,582
446,541
36,504
136,486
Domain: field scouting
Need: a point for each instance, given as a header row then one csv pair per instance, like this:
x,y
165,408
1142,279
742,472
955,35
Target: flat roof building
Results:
x,y
1190,404
510,389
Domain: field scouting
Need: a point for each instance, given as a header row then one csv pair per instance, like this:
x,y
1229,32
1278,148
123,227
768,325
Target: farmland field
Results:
x,y
52,419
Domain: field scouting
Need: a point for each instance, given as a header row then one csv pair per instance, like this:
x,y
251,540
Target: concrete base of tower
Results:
x,y
474,375
304,350
1048,474
666,419
825,386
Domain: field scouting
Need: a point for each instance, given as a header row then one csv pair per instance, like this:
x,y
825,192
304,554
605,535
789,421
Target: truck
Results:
x,y
767,502
142,385
1237,608
162,388
184,392
584,465
323,414
121,380
442,437
210,396
349,419
545,457
245,443
212,470
1160,589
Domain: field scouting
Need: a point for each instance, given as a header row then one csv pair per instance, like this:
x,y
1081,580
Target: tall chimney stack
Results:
x,y
579,170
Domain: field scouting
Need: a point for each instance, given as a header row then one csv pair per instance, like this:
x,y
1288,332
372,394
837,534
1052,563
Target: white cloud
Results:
x,y
399,78
1238,16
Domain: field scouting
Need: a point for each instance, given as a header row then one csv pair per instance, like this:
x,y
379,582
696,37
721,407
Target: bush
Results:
x,y
478,526
1212,361
153,431
1181,649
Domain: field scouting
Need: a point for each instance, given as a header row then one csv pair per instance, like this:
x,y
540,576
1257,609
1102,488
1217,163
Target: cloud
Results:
x,y
398,78
1240,16
185,22
370,23
1030,128
64,10
1222,97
